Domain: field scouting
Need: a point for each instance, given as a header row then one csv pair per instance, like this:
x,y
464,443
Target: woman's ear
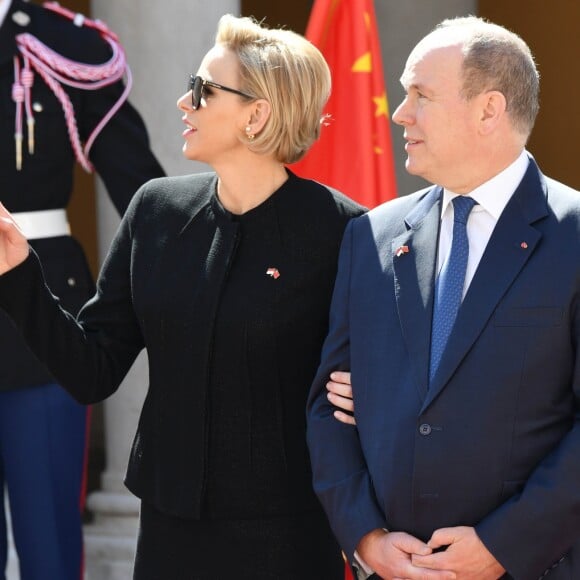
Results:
x,y
259,113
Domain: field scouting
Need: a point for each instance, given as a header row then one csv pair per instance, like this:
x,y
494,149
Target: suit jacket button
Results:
x,y
425,429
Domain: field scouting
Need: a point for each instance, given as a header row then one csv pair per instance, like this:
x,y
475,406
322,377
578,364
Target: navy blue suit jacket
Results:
x,y
494,442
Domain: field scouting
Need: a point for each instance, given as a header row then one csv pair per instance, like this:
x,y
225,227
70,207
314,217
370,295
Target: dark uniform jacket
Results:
x,y
120,154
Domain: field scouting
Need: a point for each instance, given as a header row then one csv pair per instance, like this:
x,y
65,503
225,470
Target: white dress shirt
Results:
x,y
491,197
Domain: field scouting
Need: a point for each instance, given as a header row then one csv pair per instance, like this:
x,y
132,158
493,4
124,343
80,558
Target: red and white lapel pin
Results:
x,y
273,273
401,250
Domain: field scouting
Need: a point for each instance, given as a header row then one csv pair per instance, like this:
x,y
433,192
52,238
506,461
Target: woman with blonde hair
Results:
x,y
225,278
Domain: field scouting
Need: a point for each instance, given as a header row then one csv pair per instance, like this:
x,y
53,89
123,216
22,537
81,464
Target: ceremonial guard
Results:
x,y
63,89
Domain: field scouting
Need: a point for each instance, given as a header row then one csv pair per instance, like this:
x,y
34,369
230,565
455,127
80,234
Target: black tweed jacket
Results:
x,y
160,289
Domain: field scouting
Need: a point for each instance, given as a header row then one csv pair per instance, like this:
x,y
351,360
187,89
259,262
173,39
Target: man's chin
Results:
x,y
413,168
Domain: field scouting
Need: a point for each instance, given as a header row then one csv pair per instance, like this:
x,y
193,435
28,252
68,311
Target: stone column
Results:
x,y
164,42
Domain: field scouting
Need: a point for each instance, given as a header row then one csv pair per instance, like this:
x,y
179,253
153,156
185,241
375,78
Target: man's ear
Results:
x,y
493,110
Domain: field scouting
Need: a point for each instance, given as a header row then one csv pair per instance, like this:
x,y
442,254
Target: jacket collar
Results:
x,y
414,255
414,271
511,245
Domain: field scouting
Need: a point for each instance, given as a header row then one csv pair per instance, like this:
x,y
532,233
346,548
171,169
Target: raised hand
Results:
x,y
13,245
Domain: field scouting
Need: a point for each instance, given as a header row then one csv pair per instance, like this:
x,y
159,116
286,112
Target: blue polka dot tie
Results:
x,y
449,287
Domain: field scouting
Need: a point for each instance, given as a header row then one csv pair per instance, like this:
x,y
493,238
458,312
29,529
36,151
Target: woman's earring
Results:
x,y
249,135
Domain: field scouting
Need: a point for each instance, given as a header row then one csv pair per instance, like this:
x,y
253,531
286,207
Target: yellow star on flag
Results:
x,y
382,106
363,64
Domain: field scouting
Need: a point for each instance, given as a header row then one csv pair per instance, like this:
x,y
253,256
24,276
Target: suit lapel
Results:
x,y
414,257
512,243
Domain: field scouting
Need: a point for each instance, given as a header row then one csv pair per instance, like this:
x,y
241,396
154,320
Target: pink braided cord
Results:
x,y
69,71
56,69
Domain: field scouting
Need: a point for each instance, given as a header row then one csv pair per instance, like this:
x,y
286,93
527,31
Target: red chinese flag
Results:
x,y
354,153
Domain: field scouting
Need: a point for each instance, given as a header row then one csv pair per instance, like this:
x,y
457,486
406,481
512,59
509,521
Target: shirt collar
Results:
x,y
493,195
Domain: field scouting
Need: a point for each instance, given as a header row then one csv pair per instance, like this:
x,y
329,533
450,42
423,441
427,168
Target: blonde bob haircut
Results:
x,y
290,73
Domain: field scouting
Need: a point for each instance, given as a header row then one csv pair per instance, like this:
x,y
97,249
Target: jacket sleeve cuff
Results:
x,y
15,286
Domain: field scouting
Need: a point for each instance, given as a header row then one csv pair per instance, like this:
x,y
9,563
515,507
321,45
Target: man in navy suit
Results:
x,y
467,466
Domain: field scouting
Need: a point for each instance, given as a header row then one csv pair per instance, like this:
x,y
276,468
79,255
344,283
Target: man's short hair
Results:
x,y
498,59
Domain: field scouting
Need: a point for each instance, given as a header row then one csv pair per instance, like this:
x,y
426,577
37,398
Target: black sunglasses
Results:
x,y
197,85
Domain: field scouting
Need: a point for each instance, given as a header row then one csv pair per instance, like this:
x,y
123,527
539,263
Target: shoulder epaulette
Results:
x,y
57,70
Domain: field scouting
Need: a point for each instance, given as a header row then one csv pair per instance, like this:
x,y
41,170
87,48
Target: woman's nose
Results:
x,y
184,102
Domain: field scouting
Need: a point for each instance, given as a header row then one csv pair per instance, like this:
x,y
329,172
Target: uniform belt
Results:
x,y
48,223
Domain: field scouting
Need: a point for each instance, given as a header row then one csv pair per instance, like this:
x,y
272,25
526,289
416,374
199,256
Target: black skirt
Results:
x,y
283,548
